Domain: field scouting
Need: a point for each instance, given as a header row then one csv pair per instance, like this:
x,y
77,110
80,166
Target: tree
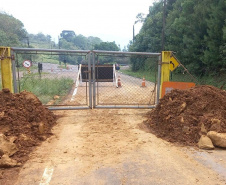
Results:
x,y
214,55
196,30
107,46
68,35
81,42
12,30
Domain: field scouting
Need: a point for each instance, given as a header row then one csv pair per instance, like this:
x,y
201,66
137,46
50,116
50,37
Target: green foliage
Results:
x,y
149,38
150,76
81,42
45,89
107,46
69,40
11,31
195,30
67,35
214,55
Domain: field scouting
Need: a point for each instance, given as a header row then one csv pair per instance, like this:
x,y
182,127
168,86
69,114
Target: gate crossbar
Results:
x,y
91,63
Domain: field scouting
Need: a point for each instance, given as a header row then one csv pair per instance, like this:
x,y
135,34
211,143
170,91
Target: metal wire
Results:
x,y
97,87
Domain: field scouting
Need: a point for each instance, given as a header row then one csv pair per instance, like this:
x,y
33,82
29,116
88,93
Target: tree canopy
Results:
x,y
195,30
107,46
12,30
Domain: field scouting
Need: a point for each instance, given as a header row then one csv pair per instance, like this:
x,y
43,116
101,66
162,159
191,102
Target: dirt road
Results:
x,y
114,147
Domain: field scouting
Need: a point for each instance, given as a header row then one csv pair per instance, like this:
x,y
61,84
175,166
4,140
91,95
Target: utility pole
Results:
x,y
134,30
163,25
59,42
133,33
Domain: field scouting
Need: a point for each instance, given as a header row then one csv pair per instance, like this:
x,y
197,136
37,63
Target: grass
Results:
x,y
25,69
148,75
219,82
53,59
45,89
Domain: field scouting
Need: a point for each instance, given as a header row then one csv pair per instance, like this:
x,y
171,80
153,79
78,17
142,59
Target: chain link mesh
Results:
x,y
53,83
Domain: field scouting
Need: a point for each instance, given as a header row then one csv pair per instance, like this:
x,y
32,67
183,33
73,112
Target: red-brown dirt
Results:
x,y
26,120
183,115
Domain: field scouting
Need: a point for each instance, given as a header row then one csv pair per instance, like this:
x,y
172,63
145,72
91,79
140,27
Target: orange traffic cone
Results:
x,y
143,82
119,82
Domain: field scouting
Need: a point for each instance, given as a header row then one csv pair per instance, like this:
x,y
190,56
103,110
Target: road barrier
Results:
x,y
93,79
143,82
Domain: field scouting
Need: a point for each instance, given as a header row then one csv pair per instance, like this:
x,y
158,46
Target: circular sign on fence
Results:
x,y
27,63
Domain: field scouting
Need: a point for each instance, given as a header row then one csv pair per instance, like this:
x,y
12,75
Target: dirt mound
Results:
x,y
24,121
184,115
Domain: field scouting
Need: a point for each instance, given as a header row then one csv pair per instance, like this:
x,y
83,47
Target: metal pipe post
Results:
x,y
94,82
159,78
90,82
165,71
14,73
6,68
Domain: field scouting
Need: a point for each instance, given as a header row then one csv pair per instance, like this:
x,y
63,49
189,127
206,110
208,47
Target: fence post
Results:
x,y
6,68
165,71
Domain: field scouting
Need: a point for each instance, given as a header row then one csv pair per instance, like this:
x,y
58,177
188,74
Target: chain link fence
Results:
x,y
51,78
120,85
182,74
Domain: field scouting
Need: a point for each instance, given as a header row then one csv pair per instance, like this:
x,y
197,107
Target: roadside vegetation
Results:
x,y
45,89
178,77
194,30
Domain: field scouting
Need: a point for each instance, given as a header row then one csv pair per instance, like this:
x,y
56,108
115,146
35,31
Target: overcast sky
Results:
x,y
109,20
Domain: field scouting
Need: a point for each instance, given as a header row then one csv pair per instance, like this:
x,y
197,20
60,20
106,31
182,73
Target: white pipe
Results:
x,y
76,83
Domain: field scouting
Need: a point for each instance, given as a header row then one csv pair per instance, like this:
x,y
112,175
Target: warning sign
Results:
x,y
167,87
174,63
27,63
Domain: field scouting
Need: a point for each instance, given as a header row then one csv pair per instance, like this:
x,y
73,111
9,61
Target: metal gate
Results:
x,y
125,90
51,78
99,79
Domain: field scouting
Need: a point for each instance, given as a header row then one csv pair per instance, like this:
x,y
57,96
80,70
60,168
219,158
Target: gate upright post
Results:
x,y
6,68
94,82
90,82
14,73
159,78
165,71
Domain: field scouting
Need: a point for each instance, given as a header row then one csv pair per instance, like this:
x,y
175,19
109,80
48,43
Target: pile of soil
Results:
x,y
182,116
24,121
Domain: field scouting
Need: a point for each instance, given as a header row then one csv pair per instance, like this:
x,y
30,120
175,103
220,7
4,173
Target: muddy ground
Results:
x,y
106,146
114,147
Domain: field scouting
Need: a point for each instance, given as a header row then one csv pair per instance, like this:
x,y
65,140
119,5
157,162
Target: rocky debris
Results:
x,y
6,162
183,116
218,139
205,143
56,97
6,146
41,128
24,123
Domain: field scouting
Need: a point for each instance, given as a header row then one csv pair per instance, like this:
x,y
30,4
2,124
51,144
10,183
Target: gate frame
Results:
x,y
126,54
9,62
54,52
